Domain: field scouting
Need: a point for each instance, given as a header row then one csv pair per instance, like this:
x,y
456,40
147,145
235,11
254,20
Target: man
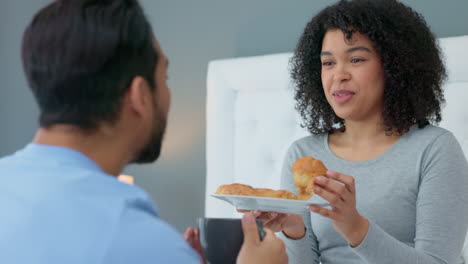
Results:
x,y
98,75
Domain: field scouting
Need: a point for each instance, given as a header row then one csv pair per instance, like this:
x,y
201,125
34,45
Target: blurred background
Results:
x,y
191,33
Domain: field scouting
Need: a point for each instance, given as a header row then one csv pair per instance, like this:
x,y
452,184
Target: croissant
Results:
x,y
247,190
304,171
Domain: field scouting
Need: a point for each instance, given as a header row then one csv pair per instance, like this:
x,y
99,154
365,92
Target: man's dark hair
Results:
x,y
80,57
410,56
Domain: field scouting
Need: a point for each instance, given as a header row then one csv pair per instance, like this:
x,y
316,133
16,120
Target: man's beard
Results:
x,y
152,149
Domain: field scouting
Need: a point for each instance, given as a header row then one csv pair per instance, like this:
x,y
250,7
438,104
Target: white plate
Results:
x,y
268,204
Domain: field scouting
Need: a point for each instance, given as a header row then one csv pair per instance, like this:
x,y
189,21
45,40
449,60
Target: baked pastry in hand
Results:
x,y
304,171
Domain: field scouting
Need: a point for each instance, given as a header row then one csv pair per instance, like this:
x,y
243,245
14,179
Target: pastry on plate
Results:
x,y
304,171
247,190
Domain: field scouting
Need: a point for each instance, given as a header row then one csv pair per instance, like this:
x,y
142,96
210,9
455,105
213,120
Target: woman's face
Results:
x,y
352,76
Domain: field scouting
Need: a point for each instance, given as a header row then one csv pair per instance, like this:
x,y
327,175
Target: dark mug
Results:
x,y
221,238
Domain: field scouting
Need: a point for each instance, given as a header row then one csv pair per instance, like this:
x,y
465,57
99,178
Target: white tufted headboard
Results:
x,y
250,124
251,120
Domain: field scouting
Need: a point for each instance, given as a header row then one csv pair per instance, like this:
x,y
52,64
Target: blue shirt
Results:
x,y
58,206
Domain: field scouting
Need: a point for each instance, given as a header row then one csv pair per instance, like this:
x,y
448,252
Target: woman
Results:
x,y
369,75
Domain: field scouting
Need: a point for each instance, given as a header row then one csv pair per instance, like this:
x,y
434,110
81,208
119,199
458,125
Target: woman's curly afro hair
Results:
x,y
410,55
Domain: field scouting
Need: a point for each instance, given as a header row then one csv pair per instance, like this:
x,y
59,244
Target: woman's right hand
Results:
x,y
269,250
291,225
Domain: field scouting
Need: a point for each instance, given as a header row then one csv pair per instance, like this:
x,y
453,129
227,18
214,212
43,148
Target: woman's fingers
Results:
x,y
346,179
265,216
271,220
332,214
333,198
276,223
332,186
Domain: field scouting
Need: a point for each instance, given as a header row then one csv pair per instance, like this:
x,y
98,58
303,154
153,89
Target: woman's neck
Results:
x,y
363,132
361,141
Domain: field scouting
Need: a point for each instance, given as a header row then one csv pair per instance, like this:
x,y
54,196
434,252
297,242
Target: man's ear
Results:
x,y
139,95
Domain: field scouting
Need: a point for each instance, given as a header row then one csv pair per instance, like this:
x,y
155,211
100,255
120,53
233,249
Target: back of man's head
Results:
x,y
80,57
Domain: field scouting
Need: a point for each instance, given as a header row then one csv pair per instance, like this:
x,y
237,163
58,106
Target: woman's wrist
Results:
x,y
297,230
294,234
359,233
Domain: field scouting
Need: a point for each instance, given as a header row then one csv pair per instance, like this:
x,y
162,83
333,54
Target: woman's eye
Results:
x,y
356,60
327,63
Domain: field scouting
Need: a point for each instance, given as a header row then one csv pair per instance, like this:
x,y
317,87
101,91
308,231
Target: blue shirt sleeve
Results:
x,y
142,237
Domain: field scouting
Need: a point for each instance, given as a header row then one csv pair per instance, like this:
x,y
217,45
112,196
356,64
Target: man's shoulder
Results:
x,y
148,239
9,159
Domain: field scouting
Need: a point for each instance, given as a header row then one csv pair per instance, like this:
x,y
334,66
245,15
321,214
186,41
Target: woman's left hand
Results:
x,y
339,190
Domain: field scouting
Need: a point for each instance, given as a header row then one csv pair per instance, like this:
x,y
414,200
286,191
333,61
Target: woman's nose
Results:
x,y
341,74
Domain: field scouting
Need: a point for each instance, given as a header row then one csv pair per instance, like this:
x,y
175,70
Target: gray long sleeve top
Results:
x,y
414,196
